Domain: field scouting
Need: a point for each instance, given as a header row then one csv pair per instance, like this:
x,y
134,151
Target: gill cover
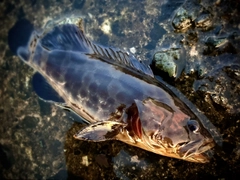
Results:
x,y
158,120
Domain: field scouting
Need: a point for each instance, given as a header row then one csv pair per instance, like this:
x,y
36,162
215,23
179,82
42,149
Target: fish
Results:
x,y
117,95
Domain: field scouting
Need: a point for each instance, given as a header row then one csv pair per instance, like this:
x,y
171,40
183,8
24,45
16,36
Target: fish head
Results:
x,y
170,132
155,127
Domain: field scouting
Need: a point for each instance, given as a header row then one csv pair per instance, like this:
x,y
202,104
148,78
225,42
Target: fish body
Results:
x,y
117,95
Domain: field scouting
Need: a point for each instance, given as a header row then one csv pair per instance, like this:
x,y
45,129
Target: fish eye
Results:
x,y
193,126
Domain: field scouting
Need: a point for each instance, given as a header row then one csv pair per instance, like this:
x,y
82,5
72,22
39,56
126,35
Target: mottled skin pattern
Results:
x,y
92,84
116,94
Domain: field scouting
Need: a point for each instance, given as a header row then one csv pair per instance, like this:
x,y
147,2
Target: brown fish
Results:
x,y
116,94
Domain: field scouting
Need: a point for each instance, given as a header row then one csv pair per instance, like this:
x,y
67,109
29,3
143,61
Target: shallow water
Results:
x,y
36,137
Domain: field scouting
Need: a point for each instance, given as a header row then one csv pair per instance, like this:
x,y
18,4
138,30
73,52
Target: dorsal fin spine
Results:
x,y
97,49
119,57
112,53
100,49
105,52
108,53
124,56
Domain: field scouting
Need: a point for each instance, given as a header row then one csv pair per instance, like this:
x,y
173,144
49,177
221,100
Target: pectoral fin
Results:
x,y
44,90
100,131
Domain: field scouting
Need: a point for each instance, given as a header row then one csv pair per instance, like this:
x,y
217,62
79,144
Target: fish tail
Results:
x,y
26,52
22,39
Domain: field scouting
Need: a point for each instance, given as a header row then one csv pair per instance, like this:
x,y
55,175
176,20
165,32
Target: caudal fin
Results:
x,y
18,38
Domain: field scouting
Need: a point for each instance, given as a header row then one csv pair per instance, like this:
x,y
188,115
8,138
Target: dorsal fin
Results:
x,y
70,37
66,37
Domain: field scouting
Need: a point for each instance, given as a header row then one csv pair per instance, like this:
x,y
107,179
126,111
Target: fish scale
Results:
x,y
80,68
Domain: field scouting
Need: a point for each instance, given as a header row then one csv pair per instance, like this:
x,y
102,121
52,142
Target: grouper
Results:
x,y
117,95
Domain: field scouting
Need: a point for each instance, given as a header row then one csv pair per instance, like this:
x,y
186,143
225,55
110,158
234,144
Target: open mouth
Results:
x,y
197,152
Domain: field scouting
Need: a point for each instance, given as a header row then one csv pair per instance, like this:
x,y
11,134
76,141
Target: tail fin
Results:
x,y
19,37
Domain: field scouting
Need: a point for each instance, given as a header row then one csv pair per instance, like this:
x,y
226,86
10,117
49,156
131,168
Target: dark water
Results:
x,y
36,137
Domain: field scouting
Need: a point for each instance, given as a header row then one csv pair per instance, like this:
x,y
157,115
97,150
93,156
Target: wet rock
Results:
x,y
186,14
55,147
190,38
85,161
6,157
42,143
223,94
62,174
204,21
78,4
192,14
102,160
216,42
76,152
201,70
125,167
45,107
218,45
1,111
170,61
182,19
234,39
30,122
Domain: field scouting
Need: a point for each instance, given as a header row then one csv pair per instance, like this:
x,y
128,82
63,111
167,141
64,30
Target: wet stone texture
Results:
x,y
36,137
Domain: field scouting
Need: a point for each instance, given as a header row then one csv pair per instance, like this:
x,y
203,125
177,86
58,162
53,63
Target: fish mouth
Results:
x,y
203,157
199,158
197,151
